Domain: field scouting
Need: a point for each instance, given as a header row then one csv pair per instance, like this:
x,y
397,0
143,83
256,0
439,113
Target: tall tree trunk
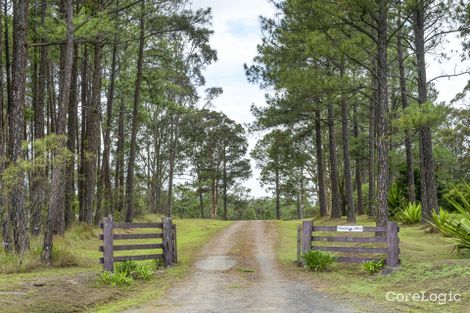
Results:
x,y
348,186
428,173
99,192
297,204
16,123
52,94
335,197
56,213
278,192
85,104
225,184
320,174
200,192
7,55
158,188
410,178
172,157
34,178
38,196
92,137
360,206
213,199
158,161
4,213
382,105
301,200
135,119
119,179
105,175
71,142
372,146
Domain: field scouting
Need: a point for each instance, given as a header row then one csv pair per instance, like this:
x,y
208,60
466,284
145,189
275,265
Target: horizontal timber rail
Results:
x,y
133,236
168,244
138,225
349,239
335,228
138,257
306,237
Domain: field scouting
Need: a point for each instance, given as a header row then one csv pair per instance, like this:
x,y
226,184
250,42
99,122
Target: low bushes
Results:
x,y
62,256
318,261
126,272
443,217
372,266
456,227
395,200
410,214
126,267
115,279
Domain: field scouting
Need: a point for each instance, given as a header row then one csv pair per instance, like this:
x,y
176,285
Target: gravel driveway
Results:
x,y
236,273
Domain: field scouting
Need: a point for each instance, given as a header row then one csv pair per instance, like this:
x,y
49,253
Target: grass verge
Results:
x,y
427,265
73,286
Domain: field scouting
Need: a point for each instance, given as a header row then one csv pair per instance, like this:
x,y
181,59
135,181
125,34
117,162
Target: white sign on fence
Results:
x,y
350,228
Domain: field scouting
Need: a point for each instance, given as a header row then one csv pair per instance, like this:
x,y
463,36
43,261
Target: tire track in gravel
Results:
x,y
236,273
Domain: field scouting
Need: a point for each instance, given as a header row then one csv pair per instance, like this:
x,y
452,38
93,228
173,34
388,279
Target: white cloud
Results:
x,y
236,34
448,87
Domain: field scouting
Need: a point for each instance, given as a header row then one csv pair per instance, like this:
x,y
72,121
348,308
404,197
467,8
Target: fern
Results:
x,y
318,261
372,266
410,214
458,228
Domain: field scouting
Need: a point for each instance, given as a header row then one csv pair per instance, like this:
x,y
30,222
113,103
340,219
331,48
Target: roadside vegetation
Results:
x,y
75,281
428,263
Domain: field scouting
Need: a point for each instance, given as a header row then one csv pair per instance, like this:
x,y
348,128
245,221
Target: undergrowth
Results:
x,y
373,266
126,272
63,254
318,261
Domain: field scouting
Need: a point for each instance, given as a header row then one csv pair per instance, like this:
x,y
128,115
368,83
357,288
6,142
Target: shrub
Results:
x,y
318,261
80,231
372,266
458,193
157,263
395,199
410,214
15,263
143,272
63,257
105,278
126,267
457,228
115,279
8,262
441,218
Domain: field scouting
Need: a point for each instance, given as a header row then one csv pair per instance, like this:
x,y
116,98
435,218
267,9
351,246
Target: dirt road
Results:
x,y
236,273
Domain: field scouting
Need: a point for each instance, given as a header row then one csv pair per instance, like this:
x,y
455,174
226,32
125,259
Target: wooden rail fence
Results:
x,y
167,245
307,240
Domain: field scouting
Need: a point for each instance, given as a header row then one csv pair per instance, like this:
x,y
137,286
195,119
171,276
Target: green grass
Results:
x,y
192,235
426,265
75,288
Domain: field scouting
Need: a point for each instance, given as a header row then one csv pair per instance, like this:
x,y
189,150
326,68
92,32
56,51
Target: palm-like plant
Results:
x,y
458,229
411,213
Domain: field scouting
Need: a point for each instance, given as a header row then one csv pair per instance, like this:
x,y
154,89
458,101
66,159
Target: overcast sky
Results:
x,y
237,31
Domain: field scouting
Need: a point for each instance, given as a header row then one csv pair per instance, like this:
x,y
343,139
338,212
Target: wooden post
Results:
x,y
307,228
108,262
168,249
392,245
